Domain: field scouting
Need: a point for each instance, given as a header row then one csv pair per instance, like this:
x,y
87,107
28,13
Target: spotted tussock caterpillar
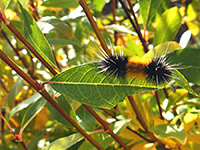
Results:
x,y
156,70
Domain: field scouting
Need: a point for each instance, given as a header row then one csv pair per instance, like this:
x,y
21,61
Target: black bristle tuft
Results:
x,y
116,65
157,71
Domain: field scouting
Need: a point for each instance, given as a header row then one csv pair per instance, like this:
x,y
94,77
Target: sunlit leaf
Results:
x,y
119,28
170,131
63,30
102,138
65,142
144,146
175,97
167,26
148,9
189,120
5,3
162,49
61,3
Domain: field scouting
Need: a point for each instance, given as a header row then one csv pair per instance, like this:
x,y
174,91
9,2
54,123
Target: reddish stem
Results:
x,y
106,127
155,93
13,132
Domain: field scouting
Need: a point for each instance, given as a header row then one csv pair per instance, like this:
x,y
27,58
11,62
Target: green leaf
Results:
x,y
23,2
65,142
167,26
120,125
62,101
85,119
24,105
15,89
35,37
148,9
134,48
188,59
162,49
5,3
61,3
181,81
116,27
33,111
84,84
103,139
170,131
62,29
33,145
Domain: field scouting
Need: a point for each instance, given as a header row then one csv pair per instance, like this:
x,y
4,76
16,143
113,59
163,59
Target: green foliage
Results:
x,y
154,116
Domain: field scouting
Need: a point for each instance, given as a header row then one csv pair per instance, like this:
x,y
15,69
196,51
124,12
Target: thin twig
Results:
x,y
46,95
94,25
165,92
106,127
155,93
13,132
134,26
23,59
134,131
140,119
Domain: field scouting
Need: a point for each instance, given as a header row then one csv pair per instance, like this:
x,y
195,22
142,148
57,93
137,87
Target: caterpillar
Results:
x,y
155,70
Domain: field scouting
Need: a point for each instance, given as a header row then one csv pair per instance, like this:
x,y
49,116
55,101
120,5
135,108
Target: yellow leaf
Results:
x,y
127,134
189,120
169,143
144,146
182,11
191,13
194,29
158,121
193,138
10,137
11,15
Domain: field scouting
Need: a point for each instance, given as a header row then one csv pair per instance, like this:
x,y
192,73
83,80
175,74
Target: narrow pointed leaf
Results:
x,y
65,142
15,89
35,37
24,105
168,26
33,111
148,9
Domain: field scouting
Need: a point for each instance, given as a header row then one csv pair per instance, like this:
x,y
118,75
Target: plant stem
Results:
x,y
46,95
94,25
106,127
16,136
134,26
140,119
23,60
155,93
134,131
165,92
